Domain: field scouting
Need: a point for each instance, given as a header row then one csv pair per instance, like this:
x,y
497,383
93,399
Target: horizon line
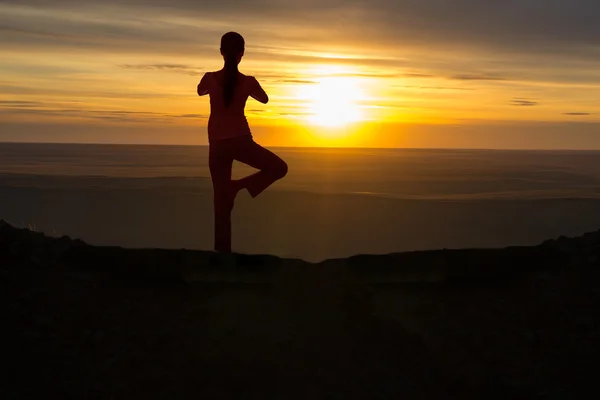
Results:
x,y
309,147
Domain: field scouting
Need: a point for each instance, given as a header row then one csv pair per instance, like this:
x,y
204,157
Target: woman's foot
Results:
x,y
236,186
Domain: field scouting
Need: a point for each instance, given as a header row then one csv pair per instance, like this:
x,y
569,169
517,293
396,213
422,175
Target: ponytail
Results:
x,y
230,81
232,48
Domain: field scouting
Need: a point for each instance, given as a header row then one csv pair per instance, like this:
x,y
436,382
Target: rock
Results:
x,y
60,245
4,227
18,248
591,237
566,245
34,247
549,243
78,243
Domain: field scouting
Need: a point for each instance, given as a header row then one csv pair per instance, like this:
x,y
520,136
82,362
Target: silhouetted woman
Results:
x,y
230,138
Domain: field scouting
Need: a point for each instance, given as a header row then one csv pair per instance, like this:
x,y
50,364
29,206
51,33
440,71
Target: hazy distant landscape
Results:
x,y
334,202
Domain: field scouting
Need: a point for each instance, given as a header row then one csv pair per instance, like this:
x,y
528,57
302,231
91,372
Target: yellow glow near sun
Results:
x,y
333,101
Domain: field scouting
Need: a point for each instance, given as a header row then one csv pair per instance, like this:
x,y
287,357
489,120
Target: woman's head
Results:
x,y
232,47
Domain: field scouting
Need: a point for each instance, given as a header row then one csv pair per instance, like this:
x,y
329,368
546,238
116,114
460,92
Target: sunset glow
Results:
x,y
122,73
332,101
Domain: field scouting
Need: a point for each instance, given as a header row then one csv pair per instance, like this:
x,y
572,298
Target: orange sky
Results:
x,y
382,73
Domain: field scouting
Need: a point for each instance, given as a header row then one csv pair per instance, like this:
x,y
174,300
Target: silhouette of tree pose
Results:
x,y
230,138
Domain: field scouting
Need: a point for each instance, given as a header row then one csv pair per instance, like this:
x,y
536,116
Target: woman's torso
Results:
x,y
227,122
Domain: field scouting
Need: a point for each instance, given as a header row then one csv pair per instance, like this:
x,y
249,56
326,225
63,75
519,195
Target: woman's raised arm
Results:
x,y
257,92
203,85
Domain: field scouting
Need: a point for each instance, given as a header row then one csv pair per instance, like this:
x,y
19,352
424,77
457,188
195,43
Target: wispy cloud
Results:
x,y
523,102
50,110
437,87
194,116
19,104
81,92
298,81
178,68
417,75
509,25
477,77
577,113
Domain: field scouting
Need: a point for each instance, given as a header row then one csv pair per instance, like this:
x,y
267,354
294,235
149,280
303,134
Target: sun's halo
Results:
x,y
333,101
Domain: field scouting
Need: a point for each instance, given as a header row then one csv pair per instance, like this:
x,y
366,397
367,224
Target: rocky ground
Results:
x,y
86,322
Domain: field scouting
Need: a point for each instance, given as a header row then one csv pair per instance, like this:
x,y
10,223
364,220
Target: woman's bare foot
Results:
x,y
236,186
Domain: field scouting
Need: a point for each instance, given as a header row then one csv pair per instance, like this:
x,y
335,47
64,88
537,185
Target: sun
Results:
x,y
333,101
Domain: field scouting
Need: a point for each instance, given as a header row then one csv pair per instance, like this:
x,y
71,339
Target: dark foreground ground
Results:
x,y
83,322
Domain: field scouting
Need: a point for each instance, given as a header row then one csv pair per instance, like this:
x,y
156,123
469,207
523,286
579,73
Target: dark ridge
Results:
x,y
81,321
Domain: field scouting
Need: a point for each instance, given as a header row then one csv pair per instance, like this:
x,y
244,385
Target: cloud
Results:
x,y
179,68
433,38
20,104
201,116
78,92
549,49
298,81
577,113
55,110
523,102
525,26
477,77
294,114
418,75
437,87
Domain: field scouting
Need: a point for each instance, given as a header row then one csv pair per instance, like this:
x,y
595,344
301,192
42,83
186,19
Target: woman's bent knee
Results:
x,y
282,170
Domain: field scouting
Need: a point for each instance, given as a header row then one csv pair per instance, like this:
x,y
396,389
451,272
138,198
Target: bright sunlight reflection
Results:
x,y
333,101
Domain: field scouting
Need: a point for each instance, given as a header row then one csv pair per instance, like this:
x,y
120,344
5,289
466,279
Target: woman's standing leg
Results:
x,y
220,162
271,167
